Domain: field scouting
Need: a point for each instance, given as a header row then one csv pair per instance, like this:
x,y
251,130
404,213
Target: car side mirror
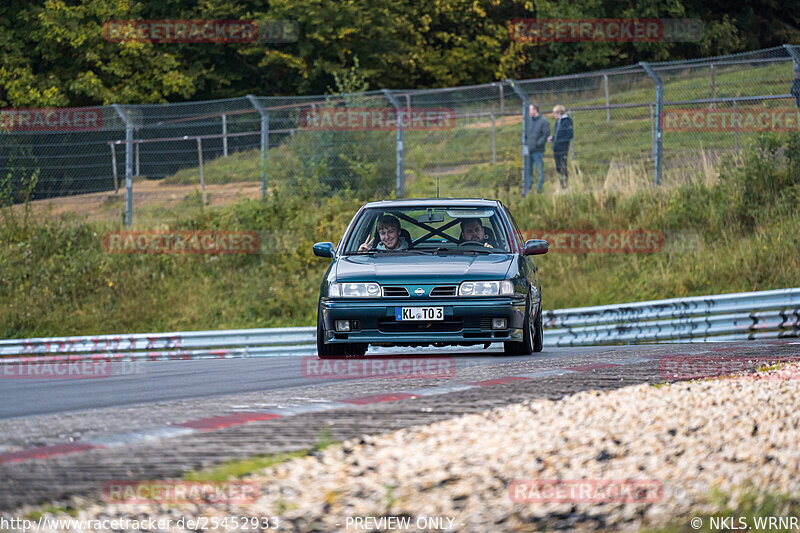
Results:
x,y
536,247
324,249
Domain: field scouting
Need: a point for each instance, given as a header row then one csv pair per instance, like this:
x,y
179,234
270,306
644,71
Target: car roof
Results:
x,y
434,202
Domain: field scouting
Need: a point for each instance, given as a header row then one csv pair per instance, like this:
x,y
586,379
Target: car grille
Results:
x,y
390,325
446,290
395,291
486,323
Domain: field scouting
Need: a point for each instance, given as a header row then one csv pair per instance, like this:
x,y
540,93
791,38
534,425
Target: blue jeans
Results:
x,y
537,160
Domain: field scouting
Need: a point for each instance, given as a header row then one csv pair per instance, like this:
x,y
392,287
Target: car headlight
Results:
x,y
354,290
486,288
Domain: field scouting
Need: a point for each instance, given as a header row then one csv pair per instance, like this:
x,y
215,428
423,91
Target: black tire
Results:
x,y
527,346
336,351
538,337
357,349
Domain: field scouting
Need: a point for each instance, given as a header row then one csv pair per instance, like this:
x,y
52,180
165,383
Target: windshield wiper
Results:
x,y
421,252
391,252
462,251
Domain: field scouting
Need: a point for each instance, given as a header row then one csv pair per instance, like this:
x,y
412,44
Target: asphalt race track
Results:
x,y
66,437
158,381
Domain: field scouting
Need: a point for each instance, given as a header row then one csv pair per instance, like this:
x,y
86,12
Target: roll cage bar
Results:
x,y
440,231
431,230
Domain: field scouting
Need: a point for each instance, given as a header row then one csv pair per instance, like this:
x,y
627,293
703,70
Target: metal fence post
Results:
x,y
224,135
128,164
264,141
400,181
658,152
526,170
795,91
605,88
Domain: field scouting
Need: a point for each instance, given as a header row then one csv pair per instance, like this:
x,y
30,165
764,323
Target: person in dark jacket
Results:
x,y
536,137
561,138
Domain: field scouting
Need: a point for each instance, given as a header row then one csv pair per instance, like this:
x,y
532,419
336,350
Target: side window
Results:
x,y
363,230
517,232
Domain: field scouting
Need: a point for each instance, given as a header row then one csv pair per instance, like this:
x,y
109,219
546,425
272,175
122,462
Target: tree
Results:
x,y
53,52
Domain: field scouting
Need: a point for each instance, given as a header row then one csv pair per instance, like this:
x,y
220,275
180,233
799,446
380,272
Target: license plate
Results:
x,y
419,313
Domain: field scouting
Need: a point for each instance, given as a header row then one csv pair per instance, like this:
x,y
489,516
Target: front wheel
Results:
x,y
532,334
538,338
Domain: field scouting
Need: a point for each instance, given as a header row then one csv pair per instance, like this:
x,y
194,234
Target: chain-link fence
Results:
x,y
636,126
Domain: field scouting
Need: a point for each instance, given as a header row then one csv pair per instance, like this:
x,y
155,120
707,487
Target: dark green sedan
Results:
x,y
441,272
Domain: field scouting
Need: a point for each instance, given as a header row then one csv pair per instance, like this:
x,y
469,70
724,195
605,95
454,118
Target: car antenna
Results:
x,y
437,185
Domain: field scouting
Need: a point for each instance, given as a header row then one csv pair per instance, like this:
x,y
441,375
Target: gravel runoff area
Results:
x,y
688,437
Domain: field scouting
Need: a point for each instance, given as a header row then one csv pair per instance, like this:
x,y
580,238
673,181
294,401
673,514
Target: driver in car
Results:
x,y
389,232
472,230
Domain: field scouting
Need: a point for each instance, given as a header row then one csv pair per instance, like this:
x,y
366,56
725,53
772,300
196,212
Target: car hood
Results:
x,y
445,268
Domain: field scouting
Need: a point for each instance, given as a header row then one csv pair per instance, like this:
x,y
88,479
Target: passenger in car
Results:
x,y
472,230
389,232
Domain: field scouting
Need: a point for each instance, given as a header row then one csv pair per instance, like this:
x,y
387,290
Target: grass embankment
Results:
x,y
739,233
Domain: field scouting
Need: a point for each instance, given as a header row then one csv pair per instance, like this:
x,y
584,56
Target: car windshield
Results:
x,y
428,230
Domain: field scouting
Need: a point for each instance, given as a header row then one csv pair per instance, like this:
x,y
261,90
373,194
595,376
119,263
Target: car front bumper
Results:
x,y
466,320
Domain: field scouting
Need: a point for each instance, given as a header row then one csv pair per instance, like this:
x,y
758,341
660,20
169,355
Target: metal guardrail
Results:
x,y
725,317
173,345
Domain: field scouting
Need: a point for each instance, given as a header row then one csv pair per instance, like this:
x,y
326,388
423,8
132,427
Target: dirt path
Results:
x,y
146,194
